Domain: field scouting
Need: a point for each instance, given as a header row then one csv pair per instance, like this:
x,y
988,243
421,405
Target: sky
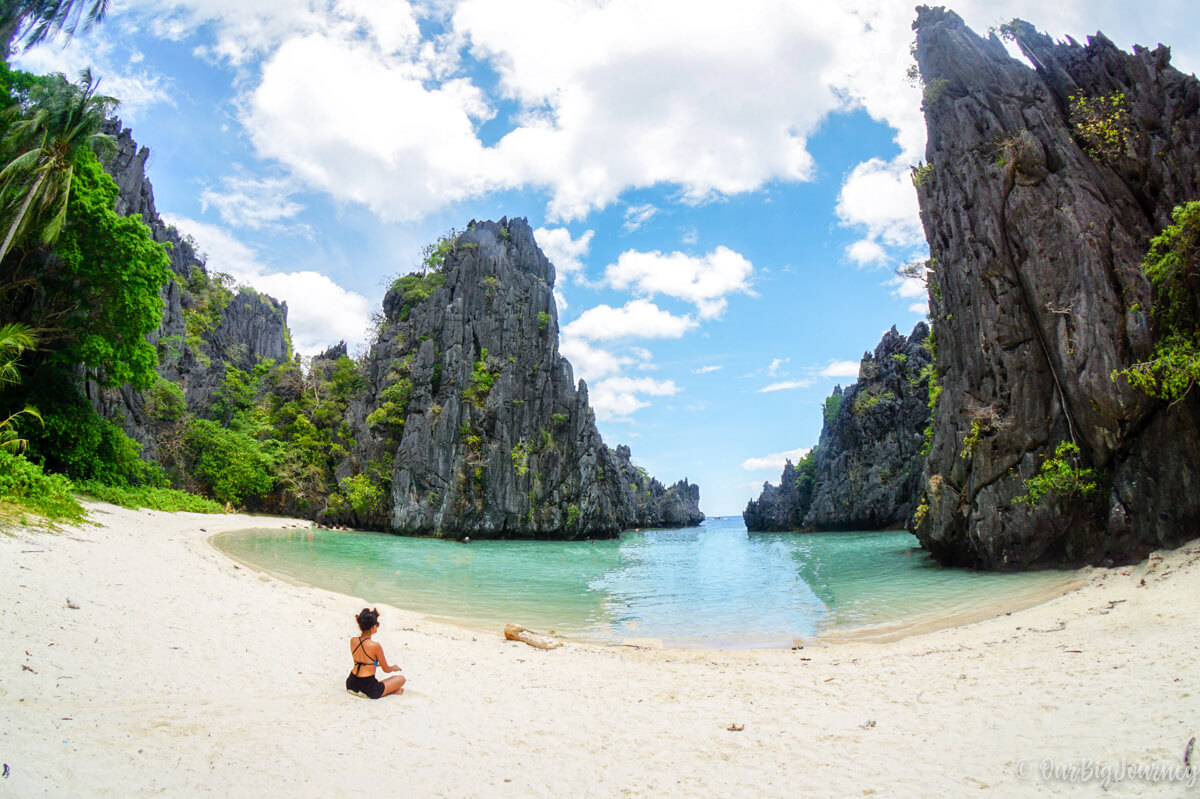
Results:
x,y
723,187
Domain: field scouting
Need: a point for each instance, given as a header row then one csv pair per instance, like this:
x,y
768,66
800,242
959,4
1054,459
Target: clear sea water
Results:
x,y
713,586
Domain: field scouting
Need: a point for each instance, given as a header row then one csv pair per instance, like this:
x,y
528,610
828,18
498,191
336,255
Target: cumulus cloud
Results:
x,y
702,281
590,362
118,69
637,318
879,197
248,201
564,252
841,369
775,461
320,312
615,398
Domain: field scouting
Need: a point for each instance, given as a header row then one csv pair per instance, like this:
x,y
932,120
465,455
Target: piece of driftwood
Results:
x,y
515,632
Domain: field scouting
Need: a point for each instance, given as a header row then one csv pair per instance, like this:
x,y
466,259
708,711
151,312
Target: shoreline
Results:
x,y
177,667
882,631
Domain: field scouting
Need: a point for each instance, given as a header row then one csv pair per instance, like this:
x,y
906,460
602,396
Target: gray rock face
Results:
x,y
1036,236
867,467
252,326
476,418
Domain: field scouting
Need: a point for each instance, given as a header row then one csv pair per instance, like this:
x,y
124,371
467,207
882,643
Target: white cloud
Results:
x,y
638,215
252,202
786,385
907,287
775,461
841,369
716,99
564,252
704,370
865,251
589,362
919,307
617,397
702,281
320,312
636,319
775,365
879,196
118,70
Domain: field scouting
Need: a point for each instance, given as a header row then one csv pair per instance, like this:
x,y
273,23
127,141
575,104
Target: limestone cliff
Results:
x,y
865,472
1043,187
473,418
204,328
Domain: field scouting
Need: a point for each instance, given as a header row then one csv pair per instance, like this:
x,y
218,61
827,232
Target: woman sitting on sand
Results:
x,y
368,655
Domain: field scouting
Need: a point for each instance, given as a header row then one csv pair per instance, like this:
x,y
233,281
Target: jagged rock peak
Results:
x,y
1037,227
475,413
865,472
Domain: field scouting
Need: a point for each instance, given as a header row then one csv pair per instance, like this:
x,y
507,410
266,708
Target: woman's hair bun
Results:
x,y
367,618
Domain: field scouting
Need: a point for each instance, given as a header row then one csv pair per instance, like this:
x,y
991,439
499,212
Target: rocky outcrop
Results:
x,y
474,418
1043,187
865,472
248,328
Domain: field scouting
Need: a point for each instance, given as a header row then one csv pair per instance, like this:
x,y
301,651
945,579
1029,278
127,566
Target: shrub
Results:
x,y
169,500
232,464
1173,267
1061,475
26,488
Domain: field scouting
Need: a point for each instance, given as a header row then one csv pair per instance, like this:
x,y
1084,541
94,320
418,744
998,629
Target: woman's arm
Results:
x,y
383,663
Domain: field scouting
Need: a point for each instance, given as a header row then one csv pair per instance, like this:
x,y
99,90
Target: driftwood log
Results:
x,y
515,632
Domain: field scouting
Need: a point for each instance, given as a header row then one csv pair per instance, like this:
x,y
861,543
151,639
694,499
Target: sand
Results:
x,y
182,673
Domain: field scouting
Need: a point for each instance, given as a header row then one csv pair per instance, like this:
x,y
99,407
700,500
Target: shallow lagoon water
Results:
x,y
712,586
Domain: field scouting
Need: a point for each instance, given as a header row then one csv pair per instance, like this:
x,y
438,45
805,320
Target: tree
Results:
x,y
14,340
35,21
41,151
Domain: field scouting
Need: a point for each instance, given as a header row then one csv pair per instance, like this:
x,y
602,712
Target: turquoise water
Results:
x,y
710,586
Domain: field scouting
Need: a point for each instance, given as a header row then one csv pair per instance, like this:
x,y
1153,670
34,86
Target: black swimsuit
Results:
x,y
367,686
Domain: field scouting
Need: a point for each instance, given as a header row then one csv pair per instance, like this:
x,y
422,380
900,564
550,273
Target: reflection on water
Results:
x,y
715,585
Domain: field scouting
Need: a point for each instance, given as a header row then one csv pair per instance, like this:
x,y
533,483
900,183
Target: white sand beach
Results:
x,y
182,673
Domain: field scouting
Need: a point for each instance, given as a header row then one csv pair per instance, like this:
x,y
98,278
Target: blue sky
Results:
x,y
723,187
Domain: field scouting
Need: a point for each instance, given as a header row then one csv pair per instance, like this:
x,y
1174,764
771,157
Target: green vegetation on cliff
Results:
x,y
1173,267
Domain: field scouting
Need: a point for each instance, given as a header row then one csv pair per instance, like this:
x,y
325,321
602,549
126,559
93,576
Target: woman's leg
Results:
x,y
393,685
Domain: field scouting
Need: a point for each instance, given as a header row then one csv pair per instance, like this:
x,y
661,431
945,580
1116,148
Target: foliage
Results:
x,y
415,289
209,293
866,401
78,442
169,500
559,418
520,457
1102,125
543,319
26,488
14,340
806,470
1173,267
393,404
971,440
360,493
934,91
40,152
1061,475
922,175
165,401
232,464
481,381
572,515
833,404
37,21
